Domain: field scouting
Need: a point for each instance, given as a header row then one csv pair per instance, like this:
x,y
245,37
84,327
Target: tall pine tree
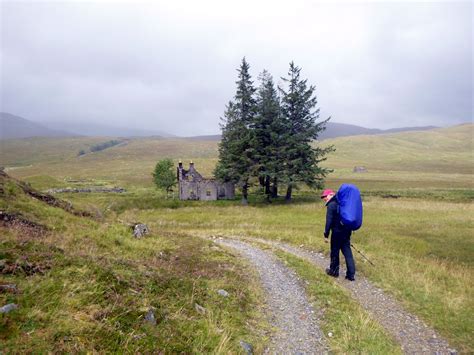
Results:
x,y
268,128
301,159
236,151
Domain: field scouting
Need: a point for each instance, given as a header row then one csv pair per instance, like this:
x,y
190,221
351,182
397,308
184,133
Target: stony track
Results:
x,y
291,315
413,335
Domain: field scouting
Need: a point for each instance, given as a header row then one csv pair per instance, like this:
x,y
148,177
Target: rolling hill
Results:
x,y
443,150
13,127
443,156
334,130
86,284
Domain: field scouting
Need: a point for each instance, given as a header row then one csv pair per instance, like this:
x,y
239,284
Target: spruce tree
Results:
x,y
268,128
225,168
302,160
236,153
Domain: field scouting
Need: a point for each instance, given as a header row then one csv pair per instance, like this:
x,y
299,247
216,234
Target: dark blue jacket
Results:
x,y
333,219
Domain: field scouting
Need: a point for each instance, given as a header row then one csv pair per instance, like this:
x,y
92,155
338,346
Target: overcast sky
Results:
x,y
171,65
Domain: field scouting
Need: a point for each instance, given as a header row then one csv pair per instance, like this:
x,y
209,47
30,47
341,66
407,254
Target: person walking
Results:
x,y
340,237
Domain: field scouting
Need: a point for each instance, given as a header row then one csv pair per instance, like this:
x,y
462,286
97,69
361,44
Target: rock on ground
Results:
x,y
140,230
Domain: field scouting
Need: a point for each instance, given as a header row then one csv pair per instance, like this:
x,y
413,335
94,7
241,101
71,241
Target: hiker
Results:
x,y
340,237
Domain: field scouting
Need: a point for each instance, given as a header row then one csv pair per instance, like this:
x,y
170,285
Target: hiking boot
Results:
x,y
331,273
350,278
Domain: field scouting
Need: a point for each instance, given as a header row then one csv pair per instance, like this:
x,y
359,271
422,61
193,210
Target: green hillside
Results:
x,y
86,285
445,150
439,158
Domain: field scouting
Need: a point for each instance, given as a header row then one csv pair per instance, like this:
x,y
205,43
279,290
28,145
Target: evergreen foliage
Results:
x,y
300,160
269,129
268,139
164,176
236,152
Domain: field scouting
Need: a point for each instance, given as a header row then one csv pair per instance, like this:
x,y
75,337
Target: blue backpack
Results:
x,y
350,206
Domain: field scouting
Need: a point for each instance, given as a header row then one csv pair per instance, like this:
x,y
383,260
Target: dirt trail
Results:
x,y
294,320
413,335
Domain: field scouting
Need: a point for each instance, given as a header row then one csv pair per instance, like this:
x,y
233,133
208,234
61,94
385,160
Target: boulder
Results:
x,y
150,317
200,309
140,230
223,293
248,348
8,308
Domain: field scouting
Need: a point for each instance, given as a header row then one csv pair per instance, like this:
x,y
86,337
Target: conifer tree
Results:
x,y
268,128
301,158
225,168
236,153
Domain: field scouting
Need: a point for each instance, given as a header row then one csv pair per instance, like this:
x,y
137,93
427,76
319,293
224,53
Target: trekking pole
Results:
x,y
371,263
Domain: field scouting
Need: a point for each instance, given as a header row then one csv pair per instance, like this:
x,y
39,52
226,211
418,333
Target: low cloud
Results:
x,y
173,67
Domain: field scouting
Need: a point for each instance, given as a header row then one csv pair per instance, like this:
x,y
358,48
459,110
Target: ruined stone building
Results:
x,y
192,186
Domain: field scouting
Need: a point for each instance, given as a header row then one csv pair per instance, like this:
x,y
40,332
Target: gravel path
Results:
x,y
414,336
292,316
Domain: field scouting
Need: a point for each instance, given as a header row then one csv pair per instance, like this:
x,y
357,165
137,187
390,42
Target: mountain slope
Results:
x,y
443,150
12,127
93,129
334,129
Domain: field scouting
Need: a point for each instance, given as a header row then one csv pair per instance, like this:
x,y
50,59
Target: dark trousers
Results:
x,y
342,242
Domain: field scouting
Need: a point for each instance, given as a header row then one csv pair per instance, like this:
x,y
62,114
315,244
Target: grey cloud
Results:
x,y
152,64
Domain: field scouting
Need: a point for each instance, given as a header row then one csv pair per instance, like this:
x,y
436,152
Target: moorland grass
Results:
x,y
93,283
418,225
422,249
437,159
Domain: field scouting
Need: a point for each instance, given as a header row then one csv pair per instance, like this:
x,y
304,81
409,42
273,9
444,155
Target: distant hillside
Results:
x,y
334,130
446,150
95,130
12,127
442,150
216,137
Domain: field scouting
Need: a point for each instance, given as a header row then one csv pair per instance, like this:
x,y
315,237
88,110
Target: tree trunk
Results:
x,y
267,189
288,193
275,188
245,201
267,185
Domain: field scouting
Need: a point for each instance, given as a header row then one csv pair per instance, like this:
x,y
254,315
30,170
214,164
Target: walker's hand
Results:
x,y
326,240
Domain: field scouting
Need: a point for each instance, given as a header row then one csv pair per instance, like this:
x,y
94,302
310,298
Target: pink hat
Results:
x,y
327,192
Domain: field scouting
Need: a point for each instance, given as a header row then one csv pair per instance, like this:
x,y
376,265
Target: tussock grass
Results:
x,y
419,237
422,249
96,283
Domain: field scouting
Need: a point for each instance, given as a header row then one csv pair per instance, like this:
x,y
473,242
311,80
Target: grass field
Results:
x,y
418,231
